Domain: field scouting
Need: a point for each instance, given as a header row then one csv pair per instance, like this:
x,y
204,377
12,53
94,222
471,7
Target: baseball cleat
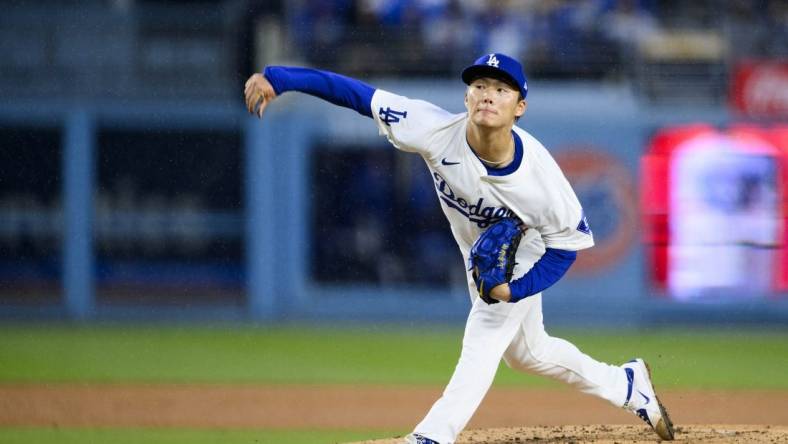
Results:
x,y
642,399
415,438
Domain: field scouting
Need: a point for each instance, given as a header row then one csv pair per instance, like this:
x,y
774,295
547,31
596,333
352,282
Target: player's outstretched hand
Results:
x,y
258,93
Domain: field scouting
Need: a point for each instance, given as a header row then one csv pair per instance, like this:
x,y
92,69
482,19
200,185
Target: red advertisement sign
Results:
x,y
715,211
760,88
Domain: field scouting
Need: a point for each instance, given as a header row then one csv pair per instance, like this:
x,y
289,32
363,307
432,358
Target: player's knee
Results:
x,y
520,357
524,353
535,343
522,360
519,363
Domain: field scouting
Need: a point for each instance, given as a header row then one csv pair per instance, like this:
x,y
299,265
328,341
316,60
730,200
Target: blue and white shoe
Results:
x,y
642,399
415,438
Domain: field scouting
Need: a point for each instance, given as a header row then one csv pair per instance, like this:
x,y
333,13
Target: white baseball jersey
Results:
x,y
535,190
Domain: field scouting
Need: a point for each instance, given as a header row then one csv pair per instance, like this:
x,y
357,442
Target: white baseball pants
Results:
x,y
516,333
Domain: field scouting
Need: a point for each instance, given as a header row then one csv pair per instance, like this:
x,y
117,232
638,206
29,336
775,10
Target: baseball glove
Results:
x,y
492,256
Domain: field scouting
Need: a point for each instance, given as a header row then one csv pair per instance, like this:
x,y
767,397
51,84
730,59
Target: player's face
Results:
x,y
493,103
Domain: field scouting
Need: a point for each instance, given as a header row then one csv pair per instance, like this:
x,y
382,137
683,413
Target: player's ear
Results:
x,y
522,105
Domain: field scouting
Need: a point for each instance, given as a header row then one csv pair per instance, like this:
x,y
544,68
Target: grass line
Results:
x,y
19,435
292,355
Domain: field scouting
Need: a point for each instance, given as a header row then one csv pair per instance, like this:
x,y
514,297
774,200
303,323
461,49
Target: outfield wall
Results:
x,y
260,262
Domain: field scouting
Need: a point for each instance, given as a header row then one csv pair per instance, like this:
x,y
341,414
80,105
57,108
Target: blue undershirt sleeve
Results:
x,y
335,88
545,272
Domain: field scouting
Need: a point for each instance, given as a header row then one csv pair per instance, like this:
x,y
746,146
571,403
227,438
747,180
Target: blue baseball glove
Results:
x,y
492,256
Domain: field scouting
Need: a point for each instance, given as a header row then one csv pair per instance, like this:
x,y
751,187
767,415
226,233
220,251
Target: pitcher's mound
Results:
x,y
622,434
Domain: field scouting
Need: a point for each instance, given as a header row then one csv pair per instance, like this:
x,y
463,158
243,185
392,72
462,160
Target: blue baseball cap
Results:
x,y
497,65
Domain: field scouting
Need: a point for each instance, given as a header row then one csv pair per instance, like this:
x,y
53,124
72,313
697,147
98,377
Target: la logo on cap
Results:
x,y
492,61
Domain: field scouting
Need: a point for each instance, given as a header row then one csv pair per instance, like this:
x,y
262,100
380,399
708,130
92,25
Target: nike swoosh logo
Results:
x,y
647,398
446,162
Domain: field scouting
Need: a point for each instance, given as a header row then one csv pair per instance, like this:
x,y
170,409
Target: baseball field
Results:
x,y
300,384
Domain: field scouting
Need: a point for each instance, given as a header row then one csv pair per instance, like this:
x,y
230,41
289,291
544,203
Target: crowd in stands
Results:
x,y
555,38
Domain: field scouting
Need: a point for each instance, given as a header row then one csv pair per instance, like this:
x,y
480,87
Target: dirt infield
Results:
x,y
544,415
599,434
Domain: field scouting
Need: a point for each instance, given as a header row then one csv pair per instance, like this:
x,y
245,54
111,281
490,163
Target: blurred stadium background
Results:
x,y
135,188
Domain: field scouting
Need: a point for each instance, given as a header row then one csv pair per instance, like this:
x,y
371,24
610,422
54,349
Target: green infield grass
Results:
x,y
293,355
185,436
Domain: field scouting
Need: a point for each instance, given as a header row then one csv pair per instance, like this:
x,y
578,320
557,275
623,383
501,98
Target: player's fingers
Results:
x,y
250,87
261,107
249,82
256,102
249,102
252,99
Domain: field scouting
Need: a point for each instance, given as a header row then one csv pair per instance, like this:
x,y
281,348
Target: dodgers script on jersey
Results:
x,y
471,196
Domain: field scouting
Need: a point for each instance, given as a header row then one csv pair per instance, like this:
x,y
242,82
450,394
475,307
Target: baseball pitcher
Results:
x,y
515,218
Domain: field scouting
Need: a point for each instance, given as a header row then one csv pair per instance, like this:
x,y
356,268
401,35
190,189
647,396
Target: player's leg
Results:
x,y
533,350
628,386
488,331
